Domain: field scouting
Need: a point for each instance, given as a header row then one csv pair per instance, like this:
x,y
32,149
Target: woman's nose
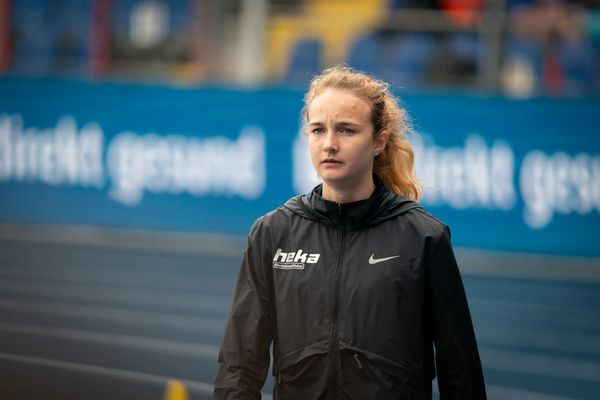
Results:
x,y
330,143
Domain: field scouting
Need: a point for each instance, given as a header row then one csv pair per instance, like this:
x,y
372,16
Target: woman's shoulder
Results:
x,y
425,222
276,218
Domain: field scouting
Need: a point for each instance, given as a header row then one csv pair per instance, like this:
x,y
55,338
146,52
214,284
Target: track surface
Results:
x,y
89,322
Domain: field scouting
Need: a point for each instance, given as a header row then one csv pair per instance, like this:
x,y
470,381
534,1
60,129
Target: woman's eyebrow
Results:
x,y
347,123
337,123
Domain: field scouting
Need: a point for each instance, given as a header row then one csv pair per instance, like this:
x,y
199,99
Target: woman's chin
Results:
x,y
332,178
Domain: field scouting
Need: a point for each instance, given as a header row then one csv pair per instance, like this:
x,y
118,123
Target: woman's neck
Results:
x,y
347,195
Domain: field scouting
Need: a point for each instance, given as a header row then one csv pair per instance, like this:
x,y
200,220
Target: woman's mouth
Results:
x,y
331,162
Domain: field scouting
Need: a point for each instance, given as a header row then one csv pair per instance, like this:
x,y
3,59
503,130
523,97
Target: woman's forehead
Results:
x,y
334,101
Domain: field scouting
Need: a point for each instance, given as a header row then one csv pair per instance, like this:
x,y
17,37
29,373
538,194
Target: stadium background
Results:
x,y
139,139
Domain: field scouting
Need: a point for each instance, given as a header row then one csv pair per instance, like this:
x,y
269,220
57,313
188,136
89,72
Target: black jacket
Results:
x,y
353,297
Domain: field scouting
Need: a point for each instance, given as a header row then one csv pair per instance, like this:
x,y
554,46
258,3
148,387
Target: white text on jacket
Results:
x,y
293,259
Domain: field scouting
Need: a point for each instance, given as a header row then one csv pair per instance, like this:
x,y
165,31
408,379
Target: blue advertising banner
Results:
x,y
504,174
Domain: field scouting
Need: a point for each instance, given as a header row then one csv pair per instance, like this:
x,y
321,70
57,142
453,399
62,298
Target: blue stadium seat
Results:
x,y
411,60
305,61
579,66
397,4
465,45
399,59
365,54
51,37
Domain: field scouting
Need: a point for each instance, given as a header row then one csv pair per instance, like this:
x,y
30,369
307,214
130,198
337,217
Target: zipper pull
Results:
x,y
278,386
358,363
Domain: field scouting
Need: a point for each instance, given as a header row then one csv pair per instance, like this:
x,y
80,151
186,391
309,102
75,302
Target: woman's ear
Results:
x,y
380,142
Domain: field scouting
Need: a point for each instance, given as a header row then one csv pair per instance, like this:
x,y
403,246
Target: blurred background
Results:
x,y
139,140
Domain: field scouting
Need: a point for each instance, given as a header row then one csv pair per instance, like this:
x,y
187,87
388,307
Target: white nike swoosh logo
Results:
x,y
373,260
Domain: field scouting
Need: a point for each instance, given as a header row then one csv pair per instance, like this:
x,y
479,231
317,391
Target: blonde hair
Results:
x,y
395,165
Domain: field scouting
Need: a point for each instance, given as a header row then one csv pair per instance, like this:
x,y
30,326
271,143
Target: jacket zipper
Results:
x,y
334,305
358,363
278,391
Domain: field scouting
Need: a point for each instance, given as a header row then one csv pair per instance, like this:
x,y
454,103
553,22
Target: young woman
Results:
x,y
354,285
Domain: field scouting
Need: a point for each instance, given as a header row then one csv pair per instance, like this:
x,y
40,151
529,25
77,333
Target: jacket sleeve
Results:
x,y
456,356
244,354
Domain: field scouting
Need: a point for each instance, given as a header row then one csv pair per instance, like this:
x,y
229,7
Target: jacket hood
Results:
x,y
382,205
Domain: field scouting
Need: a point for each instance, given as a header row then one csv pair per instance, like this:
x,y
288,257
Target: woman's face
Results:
x,y
340,139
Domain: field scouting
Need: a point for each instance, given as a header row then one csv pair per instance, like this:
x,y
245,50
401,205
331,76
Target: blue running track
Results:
x,y
83,321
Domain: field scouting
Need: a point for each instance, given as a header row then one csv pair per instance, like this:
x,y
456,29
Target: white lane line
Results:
x,y
473,261
120,315
106,371
131,341
127,239
495,392
540,365
202,387
533,306
115,277
488,310
535,338
546,267
137,296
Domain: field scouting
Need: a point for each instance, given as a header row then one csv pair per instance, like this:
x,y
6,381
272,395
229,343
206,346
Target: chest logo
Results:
x,y
294,259
373,260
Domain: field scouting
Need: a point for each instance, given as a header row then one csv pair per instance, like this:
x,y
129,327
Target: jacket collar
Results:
x,y
350,214
383,204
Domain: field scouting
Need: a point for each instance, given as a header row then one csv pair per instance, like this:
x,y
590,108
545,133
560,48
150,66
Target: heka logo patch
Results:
x,y
293,259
